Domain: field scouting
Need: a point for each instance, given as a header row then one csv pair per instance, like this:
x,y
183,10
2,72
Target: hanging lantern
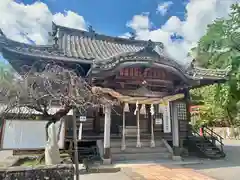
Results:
x,y
143,109
152,109
135,112
126,108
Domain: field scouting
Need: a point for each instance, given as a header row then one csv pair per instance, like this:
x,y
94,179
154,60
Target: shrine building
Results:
x,y
152,120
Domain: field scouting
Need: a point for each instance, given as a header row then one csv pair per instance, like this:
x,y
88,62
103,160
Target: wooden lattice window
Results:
x,y
181,111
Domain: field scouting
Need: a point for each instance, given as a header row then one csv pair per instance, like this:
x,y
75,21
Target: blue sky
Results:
x,y
110,16
31,20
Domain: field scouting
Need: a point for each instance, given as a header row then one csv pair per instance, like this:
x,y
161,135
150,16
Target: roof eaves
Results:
x,y
8,50
211,74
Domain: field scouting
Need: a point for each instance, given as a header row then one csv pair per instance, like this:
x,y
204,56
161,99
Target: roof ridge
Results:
x,y
102,36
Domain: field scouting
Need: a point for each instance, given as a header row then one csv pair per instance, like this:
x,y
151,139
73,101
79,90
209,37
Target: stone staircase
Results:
x,y
204,148
133,153
204,145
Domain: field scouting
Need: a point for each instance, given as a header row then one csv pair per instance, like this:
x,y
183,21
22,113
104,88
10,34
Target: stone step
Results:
x,y
133,143
87,125
211,148
88,122
141,156
117,150
209,145
212,151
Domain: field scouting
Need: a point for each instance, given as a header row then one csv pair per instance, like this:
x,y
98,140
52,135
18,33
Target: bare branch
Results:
x,y
55,86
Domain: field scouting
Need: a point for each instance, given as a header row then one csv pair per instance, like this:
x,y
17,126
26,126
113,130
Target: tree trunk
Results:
x,y
52,154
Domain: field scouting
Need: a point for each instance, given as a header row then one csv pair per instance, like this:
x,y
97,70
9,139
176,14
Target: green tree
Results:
x,y
220,48
6,73
210,111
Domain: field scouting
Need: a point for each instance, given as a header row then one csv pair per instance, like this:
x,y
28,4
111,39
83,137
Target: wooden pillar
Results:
x,y
152,133
152,126
188,104
175,130
123,145
139,144
107,127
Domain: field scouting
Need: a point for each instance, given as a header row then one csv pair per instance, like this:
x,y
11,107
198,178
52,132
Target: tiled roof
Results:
x,y
37,51
89,45
200,73
107,52
85,47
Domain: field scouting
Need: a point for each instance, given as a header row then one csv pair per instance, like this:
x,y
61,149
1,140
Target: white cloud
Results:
x,y
35,20
70,19
140,22
173,24
163,7
125,35
199,13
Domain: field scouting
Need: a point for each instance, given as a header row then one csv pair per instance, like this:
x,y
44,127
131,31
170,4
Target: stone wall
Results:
x,y
228,133
56,172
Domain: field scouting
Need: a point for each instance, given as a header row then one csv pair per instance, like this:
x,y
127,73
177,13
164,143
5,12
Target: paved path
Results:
x,y
159,172
227,169
105,176
149,172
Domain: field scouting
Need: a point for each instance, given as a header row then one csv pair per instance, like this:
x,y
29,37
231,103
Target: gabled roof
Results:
x,y
90,45
104,52
79,45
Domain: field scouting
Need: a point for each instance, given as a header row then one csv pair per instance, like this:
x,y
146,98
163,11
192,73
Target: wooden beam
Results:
x,y
126,84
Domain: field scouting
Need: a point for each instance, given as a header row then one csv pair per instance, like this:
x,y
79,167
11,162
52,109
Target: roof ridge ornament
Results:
x,y
55,34
1,33
151,46
132,36
91,31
